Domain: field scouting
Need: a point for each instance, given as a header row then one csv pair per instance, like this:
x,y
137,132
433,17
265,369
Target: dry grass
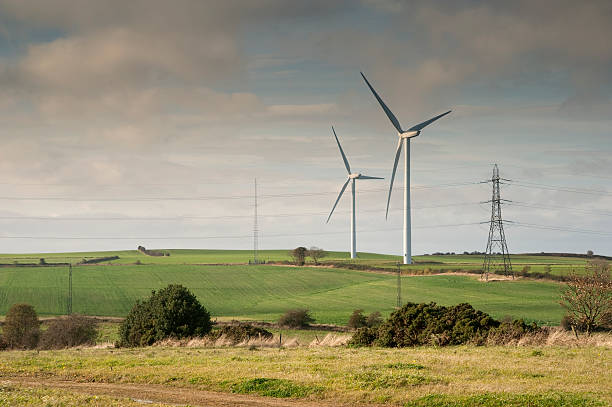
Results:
x,y
394,376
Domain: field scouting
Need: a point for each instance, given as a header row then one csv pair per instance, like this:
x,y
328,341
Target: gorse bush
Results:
x,y
429,324
173,312
21,327
359,320
70,331
241,332
297,318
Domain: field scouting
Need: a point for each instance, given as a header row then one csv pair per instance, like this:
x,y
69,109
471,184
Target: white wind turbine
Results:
x,y
351,178
404,137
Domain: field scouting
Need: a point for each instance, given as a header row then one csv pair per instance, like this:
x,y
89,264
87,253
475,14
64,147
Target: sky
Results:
x,y
146,123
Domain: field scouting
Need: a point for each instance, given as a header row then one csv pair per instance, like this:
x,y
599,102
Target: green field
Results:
x,y
558,265
264,292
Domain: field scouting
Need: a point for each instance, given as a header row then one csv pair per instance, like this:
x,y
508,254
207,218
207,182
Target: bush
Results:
x,y
70,331
357,319
297,318
173,312
374,319
587,298
316,253
429,324
364,337
21,327
242,332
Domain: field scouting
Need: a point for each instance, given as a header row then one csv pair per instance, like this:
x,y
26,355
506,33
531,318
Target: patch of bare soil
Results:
x,y
164,394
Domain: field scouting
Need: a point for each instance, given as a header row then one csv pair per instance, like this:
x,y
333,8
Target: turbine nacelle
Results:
x,y
354,176
409,134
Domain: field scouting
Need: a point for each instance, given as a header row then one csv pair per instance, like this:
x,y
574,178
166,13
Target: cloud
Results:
x,y
434,52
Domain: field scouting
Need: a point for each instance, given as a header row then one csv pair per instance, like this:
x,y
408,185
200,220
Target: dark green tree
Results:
x,y
173,312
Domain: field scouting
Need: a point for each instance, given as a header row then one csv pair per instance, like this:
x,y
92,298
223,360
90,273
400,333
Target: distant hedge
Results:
x,y
432,324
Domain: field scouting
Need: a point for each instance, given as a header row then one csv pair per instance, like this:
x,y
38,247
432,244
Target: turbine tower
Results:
x,y
351,178
404,138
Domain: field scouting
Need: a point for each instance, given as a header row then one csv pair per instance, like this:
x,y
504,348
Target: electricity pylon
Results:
x,y
496,257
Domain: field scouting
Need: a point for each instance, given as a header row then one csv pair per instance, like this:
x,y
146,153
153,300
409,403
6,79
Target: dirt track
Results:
x,y
147,393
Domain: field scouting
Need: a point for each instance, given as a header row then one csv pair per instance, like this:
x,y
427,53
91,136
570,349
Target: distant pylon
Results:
x,y
69,310
399,286
496,257
255,230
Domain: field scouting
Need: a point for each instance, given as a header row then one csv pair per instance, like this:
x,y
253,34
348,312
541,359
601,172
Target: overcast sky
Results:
x,y
146,122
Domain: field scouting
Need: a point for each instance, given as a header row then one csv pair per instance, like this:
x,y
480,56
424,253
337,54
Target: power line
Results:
x,y
548,206
560,228
219,197
560,188
195,217
222,236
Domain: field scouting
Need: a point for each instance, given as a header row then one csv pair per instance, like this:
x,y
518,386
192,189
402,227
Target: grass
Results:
x,y
265,292
558,265
23,397
463,376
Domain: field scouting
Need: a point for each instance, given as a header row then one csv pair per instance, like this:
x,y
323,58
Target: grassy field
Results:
x,y
264,292
454,376
558,265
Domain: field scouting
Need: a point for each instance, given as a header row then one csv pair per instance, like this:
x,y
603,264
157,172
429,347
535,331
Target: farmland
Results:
x,y
231,289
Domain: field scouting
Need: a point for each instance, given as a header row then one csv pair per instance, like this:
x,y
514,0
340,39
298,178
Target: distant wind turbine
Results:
x,y
351,178
404,136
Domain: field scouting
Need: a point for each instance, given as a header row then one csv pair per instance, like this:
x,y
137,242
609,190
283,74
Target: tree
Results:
x,y
171,312
589,253
297,318
587,298
66,332
316,253
21,327
299,255
357,319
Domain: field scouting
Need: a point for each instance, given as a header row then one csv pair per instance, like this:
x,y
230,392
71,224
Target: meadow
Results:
x,y
264,292
558,265
426,376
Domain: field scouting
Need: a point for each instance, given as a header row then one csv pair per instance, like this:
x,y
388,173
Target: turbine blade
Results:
x,y
346,163
428,122
339,196
368,177
389,113
397,156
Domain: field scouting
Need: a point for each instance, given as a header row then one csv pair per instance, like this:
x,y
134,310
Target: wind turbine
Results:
x,y
404,138
351,178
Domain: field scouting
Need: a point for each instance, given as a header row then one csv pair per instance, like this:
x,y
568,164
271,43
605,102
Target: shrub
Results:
x,y
429,324
316,253
173,312
357,319
21,327
297,318
363,337
70,331
374,319
242,332
588,298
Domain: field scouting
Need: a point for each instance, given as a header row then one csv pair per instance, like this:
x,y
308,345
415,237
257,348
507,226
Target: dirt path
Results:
x,y
147,393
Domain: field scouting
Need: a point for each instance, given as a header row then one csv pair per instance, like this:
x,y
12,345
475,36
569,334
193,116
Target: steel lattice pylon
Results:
x,y
497,257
